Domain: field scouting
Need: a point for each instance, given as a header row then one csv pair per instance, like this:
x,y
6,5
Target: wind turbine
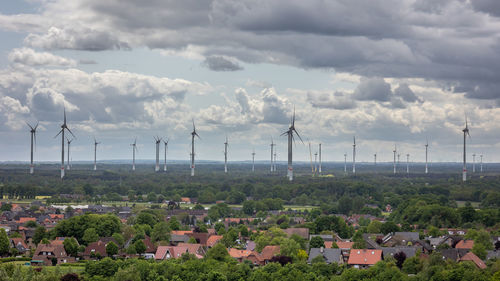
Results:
x,y
481,167
311,160
225,156
466,132
68,166
253,160
394,163
408,164
157,142
375,159
193,134
345,163
273,167
315,163
289,133
354,156
319,158
95,153
134,149
33,139
474,163
274,161
165,163
64,127
426,151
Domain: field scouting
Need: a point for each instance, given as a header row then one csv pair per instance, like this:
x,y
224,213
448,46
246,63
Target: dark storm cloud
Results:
x,y
373,89
404,92
220,63
491,7
337,100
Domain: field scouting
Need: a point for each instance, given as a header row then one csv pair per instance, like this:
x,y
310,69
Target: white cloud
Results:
x,y
27,56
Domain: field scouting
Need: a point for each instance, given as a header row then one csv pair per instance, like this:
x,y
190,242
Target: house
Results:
x,y
302,232
325,237
98,249
453,254
364,258
19,244
465,244
343,245
256,258
176,238
399,238
391,251
473,258
329,255
214,239
185,200
167,252
51,254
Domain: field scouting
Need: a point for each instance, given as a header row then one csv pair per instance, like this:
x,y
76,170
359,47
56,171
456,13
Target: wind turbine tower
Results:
x,y
345,163
319,158
33,141
466,132
426,153
68,166
481,167
274,161
354,156
273,166
375,159
474,163
165,161
193,134
408,164
394,162
315,162
95,154
225,156
289,133
134,149
64,127
253,160
157,142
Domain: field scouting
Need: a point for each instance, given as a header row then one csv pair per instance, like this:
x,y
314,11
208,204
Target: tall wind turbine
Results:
x,y
225,155
394,163
33,142
134,149
165,162
274,163
253,160
375,159
408,164
474,163
315,163
95,154
68,166
157,142
426,151
319,158
193,134
345,163
481,167
466,132
290,133
273,166
354,156
64,127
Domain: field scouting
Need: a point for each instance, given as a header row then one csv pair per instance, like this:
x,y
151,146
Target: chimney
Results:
x,y
321,249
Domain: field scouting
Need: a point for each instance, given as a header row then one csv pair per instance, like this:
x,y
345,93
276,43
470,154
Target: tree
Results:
x,y
70,277
289,248
161,232
388,227
198,207
151,197
31,224
146,218
4,242
174,224
249,207
90,235
479,250
111,249
412,265
192,240
316,242
6,207
71,246
140,247
119,239
374,227
400,258
218,252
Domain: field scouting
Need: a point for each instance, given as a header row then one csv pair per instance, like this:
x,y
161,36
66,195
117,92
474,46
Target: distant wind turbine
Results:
x,y
408,164
315,163
354,156
274,163
481,167
165,161
64,127
375,159
311,159
273,166
289,133
426,153
193,134
68,165
225,155
466,132
95,153
157,142
33,143
345,163
319,158
474,163
394,162
253,160
134,149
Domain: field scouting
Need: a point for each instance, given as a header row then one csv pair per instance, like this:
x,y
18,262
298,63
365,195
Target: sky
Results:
x,y
392,73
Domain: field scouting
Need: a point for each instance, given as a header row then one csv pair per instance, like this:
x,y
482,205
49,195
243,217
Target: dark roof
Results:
x,y
453,254
493,254
329,255
391,251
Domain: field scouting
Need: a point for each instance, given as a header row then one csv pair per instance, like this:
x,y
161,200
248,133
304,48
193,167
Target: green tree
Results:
x,y
151,197
479,250
4,242
316,242
71,246
39,234
140,247
289,248
249,207
146,218
192,240
161,232
6,207
31,224
388,227
90,235
119,239
111,249
174,224
374,227
218,252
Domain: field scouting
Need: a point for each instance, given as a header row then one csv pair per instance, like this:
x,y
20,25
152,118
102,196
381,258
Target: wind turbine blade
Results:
x,y
64,115
58,133
28,125
196,134
70,132
36,126
293,118
298,135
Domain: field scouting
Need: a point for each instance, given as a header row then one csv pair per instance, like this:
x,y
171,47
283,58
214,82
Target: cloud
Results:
x,y
373,89
337,100
404,92
220,63
26,56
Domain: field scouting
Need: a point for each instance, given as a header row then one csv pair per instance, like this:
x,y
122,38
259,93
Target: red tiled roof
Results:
x,y
268,252
26,219
364,256
212,240
17,241
465,244
343,245
56,216
473,258
235,253
181,232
